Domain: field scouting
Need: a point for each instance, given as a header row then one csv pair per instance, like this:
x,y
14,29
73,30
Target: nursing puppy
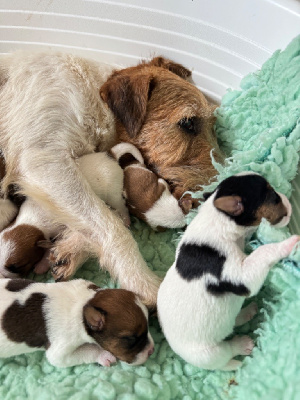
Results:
x,y
200,299
51,113
75,322
147,196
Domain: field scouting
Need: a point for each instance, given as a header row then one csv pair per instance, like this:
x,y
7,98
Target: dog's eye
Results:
x,y
189,125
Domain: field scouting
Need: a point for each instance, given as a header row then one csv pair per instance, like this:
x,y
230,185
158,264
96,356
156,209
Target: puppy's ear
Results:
x,y
177,69
127,94
94,318
231,205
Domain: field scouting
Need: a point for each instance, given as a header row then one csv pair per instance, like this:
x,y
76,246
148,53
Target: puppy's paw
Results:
x,y
243,345
187,202
288,245
106,358
246,314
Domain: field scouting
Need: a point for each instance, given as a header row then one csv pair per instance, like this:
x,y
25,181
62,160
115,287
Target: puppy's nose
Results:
x,y
151,351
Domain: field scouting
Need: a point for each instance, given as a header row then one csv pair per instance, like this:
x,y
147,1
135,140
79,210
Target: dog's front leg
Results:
x,y
257,265
60,187
86,354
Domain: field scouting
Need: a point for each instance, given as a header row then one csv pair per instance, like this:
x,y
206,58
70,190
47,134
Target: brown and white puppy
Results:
x,y
51,113
25,241
147,196
76,323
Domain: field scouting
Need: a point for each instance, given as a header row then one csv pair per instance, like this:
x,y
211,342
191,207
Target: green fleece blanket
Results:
x,y
258,128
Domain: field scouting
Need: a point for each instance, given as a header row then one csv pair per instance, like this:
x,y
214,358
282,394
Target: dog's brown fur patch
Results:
x,y
142,189
25,252
26,323
271,212
123,326
16,285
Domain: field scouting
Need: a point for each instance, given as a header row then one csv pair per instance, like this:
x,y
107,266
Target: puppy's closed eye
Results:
x,y
130,341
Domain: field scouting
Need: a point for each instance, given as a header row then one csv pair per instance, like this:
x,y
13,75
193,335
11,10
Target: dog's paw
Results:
x,y
62,269
106,358
243,345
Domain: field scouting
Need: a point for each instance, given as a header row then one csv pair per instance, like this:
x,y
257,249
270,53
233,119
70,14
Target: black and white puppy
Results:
x,y
76,322
200,299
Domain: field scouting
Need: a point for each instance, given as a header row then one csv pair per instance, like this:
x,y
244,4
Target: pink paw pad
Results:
x,y
290,243
244,344
106,358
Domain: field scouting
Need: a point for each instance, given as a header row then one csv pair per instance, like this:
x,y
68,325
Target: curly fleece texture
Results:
x,y
258,128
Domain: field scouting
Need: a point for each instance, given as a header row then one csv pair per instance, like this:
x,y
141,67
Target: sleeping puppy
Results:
x,y
56,107
75,322
148,197
200,299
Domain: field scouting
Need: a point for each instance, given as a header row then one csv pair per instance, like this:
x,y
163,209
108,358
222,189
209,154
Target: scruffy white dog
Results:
x,y
200,299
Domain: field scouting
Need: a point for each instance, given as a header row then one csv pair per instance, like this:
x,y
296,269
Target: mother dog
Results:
x,y
51,113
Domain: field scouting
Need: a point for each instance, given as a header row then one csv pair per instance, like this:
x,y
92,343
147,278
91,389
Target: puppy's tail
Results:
x,y
126,154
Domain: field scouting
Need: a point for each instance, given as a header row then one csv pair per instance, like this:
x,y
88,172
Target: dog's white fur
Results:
x,y
8,211
70,343
105,177
50,115
196,322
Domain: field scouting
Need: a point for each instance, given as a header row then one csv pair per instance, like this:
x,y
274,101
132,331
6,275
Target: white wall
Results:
x,y
221,40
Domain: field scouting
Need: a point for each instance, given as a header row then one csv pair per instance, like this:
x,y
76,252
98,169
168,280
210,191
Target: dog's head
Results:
x,y
167,118
247,198
118,321
20,249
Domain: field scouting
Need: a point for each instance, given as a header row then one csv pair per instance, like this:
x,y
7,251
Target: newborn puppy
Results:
x,y
147,196
76,323
200,299
24,242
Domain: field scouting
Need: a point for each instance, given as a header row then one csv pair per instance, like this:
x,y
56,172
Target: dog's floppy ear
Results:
x,y
94,317
231,205
127,94
177,69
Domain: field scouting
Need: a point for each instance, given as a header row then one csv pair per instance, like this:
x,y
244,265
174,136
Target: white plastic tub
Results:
x,y
220,40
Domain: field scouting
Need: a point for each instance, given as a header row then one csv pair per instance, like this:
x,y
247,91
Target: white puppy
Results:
x,y
75,322
200,299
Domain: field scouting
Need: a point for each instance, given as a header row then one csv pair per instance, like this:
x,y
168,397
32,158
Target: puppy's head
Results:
x,y
118,321
248,197
167,118
20,249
